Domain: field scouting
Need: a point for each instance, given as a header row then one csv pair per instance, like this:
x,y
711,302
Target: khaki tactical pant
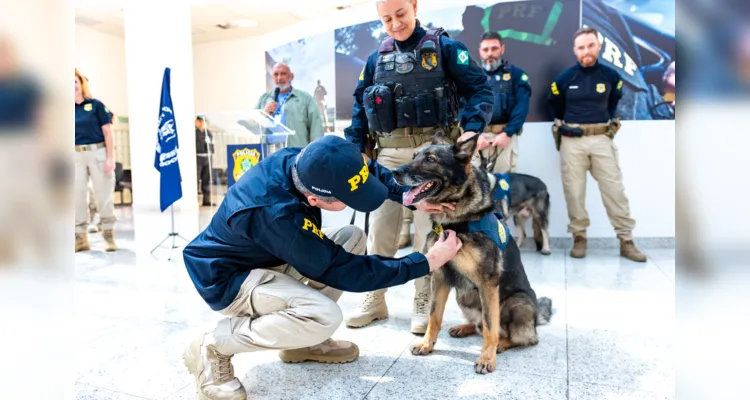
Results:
x,y
278,308
386,222
90,164
598,154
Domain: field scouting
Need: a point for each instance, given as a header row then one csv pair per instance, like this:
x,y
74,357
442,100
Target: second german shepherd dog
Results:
x,y
527,198
491,285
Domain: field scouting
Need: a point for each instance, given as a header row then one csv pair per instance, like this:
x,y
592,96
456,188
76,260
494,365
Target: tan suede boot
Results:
x,y
579,246
109,239
213,371
372,309
420,314
330,351
82,242
629,251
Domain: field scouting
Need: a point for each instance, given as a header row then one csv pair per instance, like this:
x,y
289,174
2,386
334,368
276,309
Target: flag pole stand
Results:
x,y
173,235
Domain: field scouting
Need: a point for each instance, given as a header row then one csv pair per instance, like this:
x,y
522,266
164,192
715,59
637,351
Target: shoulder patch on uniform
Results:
x,y
362,74
504,184
619,85
524,77
463,57
555,91
308,226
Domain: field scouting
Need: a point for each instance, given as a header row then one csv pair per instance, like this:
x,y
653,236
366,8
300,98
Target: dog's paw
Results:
x,y
460,331
485,365
421,349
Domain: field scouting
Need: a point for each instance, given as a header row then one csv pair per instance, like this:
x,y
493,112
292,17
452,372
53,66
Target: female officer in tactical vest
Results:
x,y
95,159
408,90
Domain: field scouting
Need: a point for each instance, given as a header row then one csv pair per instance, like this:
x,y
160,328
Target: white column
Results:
x,y
158,35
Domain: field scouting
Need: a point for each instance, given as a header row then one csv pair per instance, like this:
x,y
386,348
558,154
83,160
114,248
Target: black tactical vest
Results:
x,y
501,83
411,89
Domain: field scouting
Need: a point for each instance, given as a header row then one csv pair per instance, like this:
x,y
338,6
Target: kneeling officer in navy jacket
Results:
x,y
265,262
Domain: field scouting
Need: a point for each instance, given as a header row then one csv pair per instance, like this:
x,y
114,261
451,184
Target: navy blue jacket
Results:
x,y
586,95
265,222
469,78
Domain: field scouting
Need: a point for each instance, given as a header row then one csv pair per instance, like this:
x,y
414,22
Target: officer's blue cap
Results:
x,y
332,166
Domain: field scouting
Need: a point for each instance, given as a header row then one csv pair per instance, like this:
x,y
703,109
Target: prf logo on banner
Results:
x,y
244,159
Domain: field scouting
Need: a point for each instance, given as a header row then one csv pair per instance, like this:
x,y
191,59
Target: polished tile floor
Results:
x,y
610,335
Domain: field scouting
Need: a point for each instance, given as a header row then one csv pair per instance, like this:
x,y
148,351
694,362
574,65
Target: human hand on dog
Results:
x,y
501,140
482,142
432,208
443,250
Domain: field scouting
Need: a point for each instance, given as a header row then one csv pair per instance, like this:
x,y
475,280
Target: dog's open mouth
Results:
x,y
421,192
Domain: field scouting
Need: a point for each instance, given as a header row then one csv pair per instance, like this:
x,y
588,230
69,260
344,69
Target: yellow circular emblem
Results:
x,y
501,232
504,184
244,159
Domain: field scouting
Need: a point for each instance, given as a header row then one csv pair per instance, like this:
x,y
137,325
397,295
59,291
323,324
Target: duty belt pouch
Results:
x,y
426,110
406,112
378,102
570,132
442,107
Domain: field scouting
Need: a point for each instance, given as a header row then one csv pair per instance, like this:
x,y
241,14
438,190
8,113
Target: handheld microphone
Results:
x,y
276,94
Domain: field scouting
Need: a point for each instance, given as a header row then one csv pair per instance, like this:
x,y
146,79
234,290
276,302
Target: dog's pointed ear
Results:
x,y
464,151
439,137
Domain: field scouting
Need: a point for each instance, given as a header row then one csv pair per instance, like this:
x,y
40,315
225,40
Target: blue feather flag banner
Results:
x,y
165,160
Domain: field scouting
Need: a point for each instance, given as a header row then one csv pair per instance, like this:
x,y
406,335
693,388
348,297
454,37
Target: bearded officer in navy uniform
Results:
x,y
511,92
584,100
408,90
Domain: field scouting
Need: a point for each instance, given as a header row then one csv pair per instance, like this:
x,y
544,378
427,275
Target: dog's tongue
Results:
x,y
409,196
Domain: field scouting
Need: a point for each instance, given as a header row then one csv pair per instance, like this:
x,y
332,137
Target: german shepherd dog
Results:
x,y
528,198
491,285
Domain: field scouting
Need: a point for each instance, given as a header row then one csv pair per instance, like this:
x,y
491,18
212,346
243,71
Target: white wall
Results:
x,y
229,75
101,58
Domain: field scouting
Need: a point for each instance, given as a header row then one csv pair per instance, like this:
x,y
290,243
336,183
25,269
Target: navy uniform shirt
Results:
x,y
586,95
522,93
470,81
91,115
265,222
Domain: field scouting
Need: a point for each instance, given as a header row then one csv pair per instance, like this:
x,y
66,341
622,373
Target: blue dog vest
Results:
x,y
490,225
503,187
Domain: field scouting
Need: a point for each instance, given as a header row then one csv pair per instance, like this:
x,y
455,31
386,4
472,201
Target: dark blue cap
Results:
x,y
332,166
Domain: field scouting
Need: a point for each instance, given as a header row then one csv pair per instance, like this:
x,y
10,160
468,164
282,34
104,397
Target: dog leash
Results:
x,y
367,224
